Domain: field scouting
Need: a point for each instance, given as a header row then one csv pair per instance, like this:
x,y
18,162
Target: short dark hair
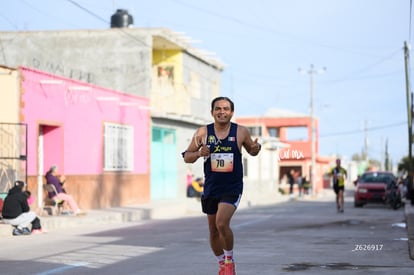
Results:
x,y
19,183
222,98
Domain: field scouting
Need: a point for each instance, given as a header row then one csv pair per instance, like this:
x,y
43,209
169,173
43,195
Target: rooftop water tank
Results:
x,y
121,19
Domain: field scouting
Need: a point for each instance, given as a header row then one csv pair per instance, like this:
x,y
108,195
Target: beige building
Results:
x,y
13,147
9,103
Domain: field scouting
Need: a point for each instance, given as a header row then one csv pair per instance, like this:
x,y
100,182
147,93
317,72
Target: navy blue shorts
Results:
x,y
210,205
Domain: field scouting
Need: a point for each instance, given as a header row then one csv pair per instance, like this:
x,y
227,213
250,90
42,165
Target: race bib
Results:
x,y
221,162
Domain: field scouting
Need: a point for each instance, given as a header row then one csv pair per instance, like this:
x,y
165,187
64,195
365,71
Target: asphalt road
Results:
x,y
296,237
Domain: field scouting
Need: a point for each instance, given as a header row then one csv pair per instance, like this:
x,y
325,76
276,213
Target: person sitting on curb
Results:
x,y
16,211
52,178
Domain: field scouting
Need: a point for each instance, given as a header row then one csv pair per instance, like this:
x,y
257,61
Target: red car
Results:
x,y
371,187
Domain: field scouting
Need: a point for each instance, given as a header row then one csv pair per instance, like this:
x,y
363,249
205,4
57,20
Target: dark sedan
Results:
x,y
371,187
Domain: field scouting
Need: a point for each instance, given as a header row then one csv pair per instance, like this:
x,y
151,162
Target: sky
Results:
x,y
356,48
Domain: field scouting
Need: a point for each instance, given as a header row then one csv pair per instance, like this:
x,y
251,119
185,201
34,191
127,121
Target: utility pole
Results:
x,y
312,71
366,141
409,104
410,187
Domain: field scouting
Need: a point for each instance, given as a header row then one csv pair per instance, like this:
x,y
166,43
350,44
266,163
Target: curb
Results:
x,y
409,219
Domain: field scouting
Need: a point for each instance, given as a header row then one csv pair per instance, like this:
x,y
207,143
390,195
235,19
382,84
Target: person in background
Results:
x,y
299,181
189,177
196,188
58,181
291,180
339,175
16,211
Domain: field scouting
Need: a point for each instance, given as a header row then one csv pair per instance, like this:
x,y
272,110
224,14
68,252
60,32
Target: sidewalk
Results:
x,y
186,207
158,210
409,219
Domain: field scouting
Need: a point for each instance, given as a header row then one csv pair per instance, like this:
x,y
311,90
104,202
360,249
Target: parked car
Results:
x,y
371,187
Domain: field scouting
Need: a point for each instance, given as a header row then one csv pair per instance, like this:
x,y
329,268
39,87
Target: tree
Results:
x,y
404,164
374,163
359,157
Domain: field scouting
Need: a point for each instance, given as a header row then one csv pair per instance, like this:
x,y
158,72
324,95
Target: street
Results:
x,y
296,237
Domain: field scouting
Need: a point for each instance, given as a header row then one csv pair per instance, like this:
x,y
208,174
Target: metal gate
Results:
x,y
13,154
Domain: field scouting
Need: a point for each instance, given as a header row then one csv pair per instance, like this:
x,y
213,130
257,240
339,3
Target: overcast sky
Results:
x,y
263,44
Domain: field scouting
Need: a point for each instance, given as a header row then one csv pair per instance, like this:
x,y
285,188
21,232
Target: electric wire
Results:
x,y
106,22
367,68
368,129
265,29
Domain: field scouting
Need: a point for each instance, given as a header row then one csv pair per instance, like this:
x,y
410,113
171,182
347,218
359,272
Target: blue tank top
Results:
x,y
223,169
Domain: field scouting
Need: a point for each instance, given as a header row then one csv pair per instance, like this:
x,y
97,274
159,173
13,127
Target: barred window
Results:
x,y
119,147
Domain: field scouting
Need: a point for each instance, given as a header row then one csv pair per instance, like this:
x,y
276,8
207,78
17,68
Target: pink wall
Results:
x,y
79,110
53,146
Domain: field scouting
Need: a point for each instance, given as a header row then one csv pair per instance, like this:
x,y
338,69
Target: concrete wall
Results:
x,y
112,58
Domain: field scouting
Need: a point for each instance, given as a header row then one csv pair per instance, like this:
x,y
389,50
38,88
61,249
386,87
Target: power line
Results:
x,y
9,21
106,22
367,129
370,66
236,20
87,11
291,37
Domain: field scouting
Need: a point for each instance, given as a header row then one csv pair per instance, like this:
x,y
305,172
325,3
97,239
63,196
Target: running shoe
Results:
x,y
229,269
222,270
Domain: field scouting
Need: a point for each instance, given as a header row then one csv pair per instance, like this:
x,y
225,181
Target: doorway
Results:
x,y
49,152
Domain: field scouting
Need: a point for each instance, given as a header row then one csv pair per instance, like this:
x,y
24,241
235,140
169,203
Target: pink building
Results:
x,y
98,138
278,124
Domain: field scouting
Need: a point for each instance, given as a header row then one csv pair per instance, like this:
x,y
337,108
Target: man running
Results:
x,y
339,175
220,145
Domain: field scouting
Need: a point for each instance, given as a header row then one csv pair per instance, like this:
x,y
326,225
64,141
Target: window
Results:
x,y
255,130
166,72
118,147
273,132
297,133
376,178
